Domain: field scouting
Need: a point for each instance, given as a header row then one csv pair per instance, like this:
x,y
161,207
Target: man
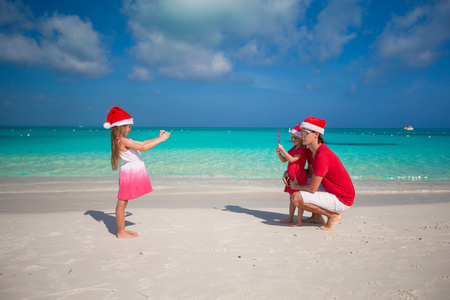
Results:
x,y
328,171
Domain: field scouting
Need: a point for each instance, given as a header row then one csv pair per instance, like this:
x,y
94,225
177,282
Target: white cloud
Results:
x,y
14,13
416,38
71,45
64,43
331,33
192,39
206,66
140,74
258,52
180,59
18,49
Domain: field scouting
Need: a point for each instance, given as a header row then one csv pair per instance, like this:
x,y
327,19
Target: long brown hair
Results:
x,y
116,132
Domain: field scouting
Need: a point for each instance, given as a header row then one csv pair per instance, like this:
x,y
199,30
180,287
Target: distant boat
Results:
x,y
409,127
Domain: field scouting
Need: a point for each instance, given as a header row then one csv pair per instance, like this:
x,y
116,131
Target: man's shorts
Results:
x,y
323,199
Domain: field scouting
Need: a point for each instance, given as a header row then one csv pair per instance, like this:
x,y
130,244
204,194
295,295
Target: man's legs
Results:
x,y
333,217
315,218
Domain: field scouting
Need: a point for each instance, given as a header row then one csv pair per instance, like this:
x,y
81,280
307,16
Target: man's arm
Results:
x,y
310,171
311,187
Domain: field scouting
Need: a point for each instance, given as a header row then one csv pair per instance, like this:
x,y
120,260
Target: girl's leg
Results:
x,y
299,218
290,219
120,220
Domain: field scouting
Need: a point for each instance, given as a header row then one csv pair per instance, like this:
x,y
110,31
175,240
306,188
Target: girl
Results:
x,y
296,169
133,177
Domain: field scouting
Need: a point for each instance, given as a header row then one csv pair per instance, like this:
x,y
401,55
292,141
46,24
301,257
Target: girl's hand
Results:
x,y
280,147
164,135
286,179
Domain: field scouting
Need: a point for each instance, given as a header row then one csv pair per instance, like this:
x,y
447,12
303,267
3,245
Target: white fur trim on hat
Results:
x,y
312,127
123,122
295,131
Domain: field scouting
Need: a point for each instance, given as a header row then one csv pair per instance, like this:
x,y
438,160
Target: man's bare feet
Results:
x,y
332,222
315,219
126,234
287,221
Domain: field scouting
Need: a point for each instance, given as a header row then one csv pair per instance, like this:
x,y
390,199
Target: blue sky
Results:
x,y
225,63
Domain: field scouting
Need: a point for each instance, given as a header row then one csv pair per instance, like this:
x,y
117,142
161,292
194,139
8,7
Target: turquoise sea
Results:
x,y
367,154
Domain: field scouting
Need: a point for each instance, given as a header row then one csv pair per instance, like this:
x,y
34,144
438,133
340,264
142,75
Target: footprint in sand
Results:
x,y
170,265
33,268
222,250
408,295
52,234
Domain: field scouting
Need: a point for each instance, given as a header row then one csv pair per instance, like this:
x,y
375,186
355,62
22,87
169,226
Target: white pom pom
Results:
x,y
107,125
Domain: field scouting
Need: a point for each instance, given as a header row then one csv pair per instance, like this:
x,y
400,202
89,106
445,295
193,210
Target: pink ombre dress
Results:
x,y
133,177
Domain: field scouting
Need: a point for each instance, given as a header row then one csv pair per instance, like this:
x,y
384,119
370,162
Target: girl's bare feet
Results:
x,y
287,221
126,234
297,224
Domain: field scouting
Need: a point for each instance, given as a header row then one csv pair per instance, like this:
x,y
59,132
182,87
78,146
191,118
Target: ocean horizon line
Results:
x,y
220,127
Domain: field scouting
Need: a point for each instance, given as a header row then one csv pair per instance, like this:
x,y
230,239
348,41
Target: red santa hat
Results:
x,y
296,130
117,117
314,124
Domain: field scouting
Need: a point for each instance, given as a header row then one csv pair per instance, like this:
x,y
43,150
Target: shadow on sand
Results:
x,y
269,218
108,219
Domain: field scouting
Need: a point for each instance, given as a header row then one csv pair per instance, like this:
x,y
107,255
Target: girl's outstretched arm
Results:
x,y
291,159
280,156
146,145
164,135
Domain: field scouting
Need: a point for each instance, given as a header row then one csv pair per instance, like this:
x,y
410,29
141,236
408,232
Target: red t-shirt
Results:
x,y
335,178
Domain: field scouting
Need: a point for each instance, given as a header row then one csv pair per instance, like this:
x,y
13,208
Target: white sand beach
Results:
x,y
213,241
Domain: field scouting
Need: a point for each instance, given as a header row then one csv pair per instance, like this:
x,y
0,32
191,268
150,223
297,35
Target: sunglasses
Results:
x,y
305,132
